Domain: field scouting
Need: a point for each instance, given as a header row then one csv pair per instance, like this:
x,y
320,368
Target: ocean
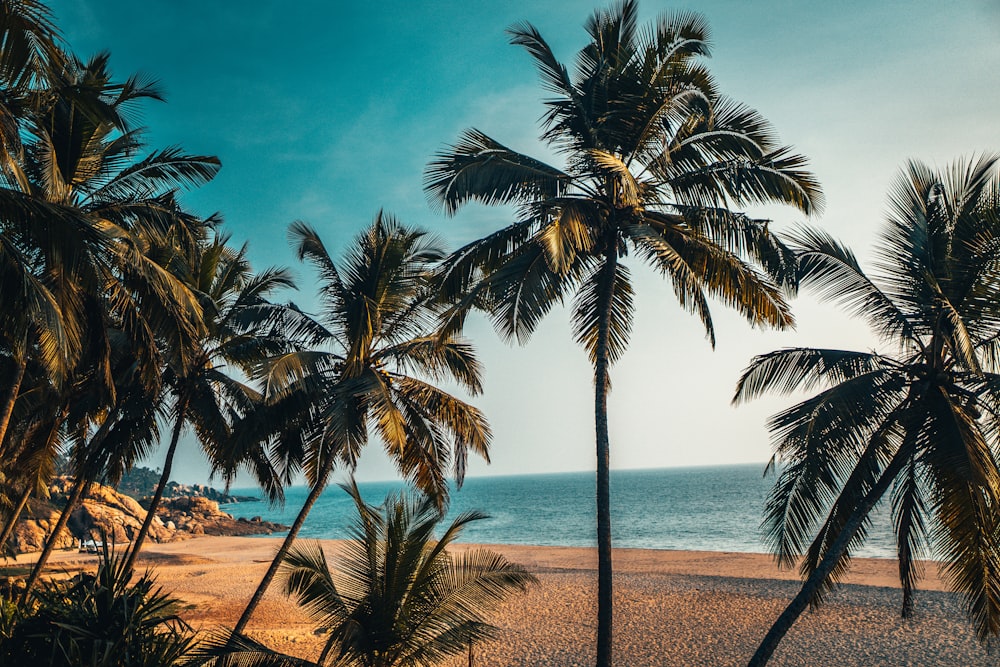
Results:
x,y
714,508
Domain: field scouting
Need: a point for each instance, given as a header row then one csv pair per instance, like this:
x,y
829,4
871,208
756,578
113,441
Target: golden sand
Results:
x,y
672,608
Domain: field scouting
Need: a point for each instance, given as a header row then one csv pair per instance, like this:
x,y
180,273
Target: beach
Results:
x,y
671,607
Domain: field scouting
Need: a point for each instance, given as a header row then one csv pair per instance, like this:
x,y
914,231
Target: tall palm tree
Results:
x,y
382,343
70,204
920,420
656,160
398,597
206,375
79,210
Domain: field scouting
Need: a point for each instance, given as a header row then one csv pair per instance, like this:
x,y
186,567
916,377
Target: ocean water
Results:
x,y
716,508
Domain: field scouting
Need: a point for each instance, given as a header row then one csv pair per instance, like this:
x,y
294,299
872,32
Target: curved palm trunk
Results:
x,y
71,503
147,523
8,406
258,595
812,585
8,528
605,610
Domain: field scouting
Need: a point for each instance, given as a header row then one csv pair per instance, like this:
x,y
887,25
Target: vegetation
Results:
x,y
124,313
919,423
102,620
655,163
398,597
378,373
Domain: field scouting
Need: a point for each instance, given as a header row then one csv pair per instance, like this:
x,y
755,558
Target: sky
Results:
x,y
327,112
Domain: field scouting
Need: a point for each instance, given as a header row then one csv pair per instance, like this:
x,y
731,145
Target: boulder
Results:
x,y
31,532
120,517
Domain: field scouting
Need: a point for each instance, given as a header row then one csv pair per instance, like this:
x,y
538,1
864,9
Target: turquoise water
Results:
x,y
716,508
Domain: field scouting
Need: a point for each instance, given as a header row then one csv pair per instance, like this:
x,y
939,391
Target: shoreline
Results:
x,y
671,607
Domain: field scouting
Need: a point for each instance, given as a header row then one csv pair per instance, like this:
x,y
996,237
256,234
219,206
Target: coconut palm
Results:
x,y
918,422
656,160
206,376
72,204
398,597
377,372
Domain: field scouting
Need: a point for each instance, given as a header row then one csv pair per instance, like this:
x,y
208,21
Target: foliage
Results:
x,y
398,597
139,481
377,369
656,167
96,620
920,421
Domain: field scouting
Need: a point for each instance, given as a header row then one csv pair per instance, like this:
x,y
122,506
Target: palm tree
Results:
x,y
655,162
399,597
70,205
242,329
382,341
79,216
920,420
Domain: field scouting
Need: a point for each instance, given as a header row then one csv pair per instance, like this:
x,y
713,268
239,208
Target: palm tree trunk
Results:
x,y
605,610
154,504
8,405
314,494
812,585
74,498
8,528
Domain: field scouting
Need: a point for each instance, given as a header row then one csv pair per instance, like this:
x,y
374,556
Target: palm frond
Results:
x,y
478,168
596,301
803,369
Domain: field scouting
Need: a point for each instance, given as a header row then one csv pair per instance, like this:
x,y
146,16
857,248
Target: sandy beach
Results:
x,y
672,608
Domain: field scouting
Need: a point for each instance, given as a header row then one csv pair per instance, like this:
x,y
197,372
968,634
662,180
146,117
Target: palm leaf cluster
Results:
x,y
398,597
655,160
917,423
657,164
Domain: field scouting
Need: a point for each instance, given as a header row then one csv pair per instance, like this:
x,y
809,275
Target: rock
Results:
x,y
31,532
120,517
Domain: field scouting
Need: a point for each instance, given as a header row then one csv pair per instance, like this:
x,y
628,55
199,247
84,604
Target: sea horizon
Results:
x,y
690,508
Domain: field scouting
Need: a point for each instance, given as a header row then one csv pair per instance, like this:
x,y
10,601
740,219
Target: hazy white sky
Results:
x,y
326,113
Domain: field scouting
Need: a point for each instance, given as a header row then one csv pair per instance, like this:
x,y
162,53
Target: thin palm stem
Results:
x,y
154,504
11,399
819,576
74,498
601,384
8,528
293,532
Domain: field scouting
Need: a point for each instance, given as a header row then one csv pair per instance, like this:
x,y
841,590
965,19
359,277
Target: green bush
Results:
x,y
95,620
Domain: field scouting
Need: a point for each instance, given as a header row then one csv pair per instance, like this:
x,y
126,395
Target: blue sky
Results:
x,y
326,112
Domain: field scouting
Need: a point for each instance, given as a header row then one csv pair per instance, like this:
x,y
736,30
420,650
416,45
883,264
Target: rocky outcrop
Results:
x,y
200,516
105,511
31,532
175,490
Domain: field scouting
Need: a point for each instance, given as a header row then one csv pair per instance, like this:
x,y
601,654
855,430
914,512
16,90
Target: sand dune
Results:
x,y
672,608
